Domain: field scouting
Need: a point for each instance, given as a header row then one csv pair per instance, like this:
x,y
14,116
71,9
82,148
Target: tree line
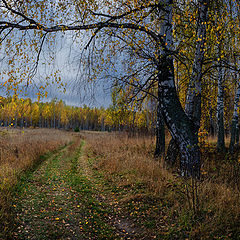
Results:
x,y
19,112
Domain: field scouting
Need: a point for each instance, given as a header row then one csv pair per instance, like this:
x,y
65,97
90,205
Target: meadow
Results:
x,y
120,191
171,206
20,151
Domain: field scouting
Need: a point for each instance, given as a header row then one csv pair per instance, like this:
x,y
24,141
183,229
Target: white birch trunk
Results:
x,y
160,134
220,110
193,99
235,118
180,126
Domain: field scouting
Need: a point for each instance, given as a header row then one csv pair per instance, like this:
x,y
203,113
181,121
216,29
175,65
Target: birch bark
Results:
x,y
160,134
235,119
193,101
220,110
181,127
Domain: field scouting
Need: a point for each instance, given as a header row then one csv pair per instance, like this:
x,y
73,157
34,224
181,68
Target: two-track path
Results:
x,y
62,200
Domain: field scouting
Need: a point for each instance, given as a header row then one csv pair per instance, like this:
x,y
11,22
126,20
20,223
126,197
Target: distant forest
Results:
x,y
15,112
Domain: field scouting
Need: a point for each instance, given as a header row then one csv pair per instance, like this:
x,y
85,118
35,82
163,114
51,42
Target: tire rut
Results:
x,y
49,207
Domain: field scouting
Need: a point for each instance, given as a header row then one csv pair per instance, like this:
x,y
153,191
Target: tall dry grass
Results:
x,y
19,151
130,155
208,208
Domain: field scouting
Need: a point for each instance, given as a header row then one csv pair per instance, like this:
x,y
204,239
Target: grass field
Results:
x,y
20,150
162,203
98,185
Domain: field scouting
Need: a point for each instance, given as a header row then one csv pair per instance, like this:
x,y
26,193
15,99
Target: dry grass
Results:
x,y
213,212
19,151
132,156
217,214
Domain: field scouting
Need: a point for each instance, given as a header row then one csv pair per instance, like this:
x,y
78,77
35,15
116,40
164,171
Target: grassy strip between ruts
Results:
x,y
95,212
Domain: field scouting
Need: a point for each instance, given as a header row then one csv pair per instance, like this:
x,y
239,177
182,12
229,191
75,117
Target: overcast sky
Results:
x,y
67,59
96,96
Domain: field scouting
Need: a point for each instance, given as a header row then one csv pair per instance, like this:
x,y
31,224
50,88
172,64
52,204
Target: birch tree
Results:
x,y
235,119
220,110
148,20
193,99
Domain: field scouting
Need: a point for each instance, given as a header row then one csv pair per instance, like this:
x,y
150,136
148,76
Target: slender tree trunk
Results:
x,y
59,120
21,121
26,122
54,119
102,124
212,123
40,121
5,121
71,123
220,111
193,101
160,134
9,121
235,119
16,119
237,135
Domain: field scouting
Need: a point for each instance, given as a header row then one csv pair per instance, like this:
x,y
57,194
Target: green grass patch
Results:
x,y
94,211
